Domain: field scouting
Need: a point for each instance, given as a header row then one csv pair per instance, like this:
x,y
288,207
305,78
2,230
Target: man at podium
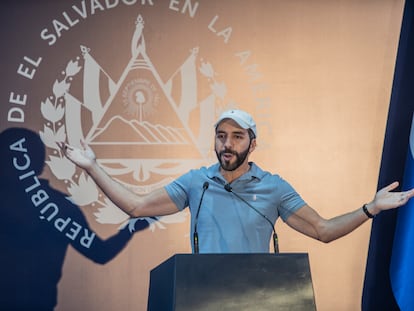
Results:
x,y
234,204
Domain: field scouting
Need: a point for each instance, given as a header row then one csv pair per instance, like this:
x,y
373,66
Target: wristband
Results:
x,y
364,208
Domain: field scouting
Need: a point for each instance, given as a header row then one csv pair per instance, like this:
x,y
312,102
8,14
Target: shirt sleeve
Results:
x,y
290,201
178,190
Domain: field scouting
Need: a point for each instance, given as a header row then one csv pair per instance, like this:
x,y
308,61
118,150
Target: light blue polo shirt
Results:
x,y
226,224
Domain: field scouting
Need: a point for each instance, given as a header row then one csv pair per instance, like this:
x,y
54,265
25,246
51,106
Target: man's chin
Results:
x,y
228,167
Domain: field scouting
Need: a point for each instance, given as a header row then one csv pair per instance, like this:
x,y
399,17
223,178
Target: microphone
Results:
x,y
228,188
195,234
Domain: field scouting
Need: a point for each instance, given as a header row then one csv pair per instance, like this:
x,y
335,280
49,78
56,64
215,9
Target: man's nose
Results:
x,y
228,142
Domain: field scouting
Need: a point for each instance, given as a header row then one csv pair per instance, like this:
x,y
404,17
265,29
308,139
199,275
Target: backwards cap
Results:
x,y
242,118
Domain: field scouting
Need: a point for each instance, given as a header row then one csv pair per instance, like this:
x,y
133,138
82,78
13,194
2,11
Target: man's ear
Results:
x,y
252,145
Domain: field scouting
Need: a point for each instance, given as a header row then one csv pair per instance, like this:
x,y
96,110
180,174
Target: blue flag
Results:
x,y
402,259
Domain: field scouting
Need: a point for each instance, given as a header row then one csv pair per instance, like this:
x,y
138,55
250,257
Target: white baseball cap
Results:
x,y
242,118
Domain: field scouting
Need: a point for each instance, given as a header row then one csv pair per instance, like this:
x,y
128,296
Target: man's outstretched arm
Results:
x,y
307,221
156,203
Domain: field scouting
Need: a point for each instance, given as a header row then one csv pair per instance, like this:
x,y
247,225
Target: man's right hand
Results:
x,y
83,157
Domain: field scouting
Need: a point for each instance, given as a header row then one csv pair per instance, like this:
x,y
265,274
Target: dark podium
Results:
x,y
232,282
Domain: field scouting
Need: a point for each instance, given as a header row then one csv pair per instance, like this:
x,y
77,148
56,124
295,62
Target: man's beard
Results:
x,y
240,158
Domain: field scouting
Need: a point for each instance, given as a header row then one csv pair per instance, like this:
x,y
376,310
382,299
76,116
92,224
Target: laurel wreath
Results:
x,y
82,189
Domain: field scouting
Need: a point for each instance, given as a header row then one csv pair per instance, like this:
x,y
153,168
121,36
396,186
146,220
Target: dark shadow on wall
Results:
x,y
37,224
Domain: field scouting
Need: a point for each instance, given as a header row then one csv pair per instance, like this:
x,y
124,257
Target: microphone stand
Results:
x,y
275,238
195,234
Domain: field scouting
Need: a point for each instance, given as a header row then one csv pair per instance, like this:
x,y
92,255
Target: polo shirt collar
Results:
x,y
255,172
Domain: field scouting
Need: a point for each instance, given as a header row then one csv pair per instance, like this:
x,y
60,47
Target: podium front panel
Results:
x,y
232,282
